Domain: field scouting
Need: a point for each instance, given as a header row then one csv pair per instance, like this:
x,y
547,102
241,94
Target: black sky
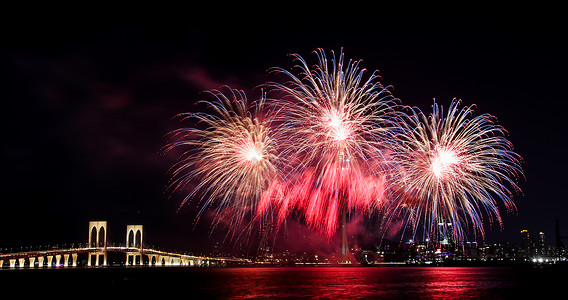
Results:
x,y
87,101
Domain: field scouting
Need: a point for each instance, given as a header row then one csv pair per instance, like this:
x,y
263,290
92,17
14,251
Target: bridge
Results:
x,y
97,252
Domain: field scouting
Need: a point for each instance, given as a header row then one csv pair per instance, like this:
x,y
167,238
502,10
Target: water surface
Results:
x,y
303,282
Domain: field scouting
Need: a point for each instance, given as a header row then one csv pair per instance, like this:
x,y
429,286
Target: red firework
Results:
x,y
335,125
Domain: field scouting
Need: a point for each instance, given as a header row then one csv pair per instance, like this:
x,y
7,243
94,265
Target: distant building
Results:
x,y
446,233
541,245
526,244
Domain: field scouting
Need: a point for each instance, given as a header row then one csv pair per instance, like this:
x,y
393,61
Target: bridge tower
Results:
x,y
134,239
98,242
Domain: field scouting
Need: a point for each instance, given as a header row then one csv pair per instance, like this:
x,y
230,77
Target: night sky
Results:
x,y
87,102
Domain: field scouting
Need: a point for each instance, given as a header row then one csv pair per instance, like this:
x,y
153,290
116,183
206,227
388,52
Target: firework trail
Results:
x,y
231,154
337,125
453,168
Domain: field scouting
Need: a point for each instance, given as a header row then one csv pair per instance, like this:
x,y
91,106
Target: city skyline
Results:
x,y
98,249
87,108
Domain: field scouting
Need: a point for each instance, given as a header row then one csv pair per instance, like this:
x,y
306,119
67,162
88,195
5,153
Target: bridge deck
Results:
x,y
54,252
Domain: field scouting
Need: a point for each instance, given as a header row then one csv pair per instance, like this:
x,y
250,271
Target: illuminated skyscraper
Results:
x,y
526,243
541,245
446,233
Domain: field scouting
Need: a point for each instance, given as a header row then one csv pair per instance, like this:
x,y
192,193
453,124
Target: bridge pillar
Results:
x,y
49,261
74,259
12,263
97,259
97,241
134,236
152,260
97,234
66,260
134,257
32,261
22,262
40,261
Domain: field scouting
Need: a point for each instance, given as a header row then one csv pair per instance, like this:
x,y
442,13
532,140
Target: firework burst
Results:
x,y
336,125
231,155
452,171
333,141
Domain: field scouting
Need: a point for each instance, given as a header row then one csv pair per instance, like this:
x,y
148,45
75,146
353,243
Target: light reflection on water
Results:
x,y
372,282
301,282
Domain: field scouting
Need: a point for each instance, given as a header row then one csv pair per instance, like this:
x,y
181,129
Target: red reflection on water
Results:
x,y
453,282
360,282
